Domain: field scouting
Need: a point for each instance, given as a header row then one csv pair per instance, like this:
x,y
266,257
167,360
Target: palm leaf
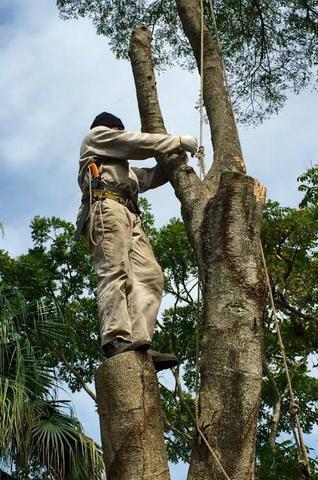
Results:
x,y
63,448
32,426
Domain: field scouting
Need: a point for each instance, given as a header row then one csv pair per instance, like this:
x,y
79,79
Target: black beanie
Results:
x,y
105,119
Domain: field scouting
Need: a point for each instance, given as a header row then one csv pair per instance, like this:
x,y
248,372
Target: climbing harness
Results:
x,y
103,193
96,199
92,201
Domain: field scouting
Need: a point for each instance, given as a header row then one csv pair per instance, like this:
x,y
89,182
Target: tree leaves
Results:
x,y
35,433
270,47
57,273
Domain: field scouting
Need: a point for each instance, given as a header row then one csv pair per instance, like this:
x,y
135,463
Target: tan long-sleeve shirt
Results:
x,y
113,148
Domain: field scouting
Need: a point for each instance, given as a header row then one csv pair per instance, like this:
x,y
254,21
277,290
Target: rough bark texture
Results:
x,y
130,415
231,361
141,61
226,144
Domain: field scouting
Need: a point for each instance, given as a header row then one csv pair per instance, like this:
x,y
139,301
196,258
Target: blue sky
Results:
x,y
55,77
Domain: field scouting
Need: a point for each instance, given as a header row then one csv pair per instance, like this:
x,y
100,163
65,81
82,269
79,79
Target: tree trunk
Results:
x,y
231,359
130,416
222,216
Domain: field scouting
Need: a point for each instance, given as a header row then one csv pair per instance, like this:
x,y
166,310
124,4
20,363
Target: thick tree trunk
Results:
x,y
231,360
233,280
131,421
222,216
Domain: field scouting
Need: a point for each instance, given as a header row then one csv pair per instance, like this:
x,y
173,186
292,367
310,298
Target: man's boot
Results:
x,y
163,361
119,345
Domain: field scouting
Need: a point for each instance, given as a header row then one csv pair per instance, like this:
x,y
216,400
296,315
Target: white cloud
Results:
x,y
59,74
14,239
283,147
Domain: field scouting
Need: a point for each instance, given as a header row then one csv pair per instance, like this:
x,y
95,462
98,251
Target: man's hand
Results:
x,y
189,144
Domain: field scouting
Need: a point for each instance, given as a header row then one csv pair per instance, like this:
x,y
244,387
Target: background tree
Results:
x,y
37,436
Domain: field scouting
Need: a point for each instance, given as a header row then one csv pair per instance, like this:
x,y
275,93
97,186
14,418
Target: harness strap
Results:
x,y
94,195
103,193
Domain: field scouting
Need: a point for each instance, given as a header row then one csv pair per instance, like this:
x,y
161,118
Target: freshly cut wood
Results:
x,y
131,421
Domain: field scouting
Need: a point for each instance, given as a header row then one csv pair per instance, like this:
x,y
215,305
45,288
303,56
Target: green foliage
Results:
x,y
36,435
280,463
290,239
290,243
270,47
57,271
147,218
309,185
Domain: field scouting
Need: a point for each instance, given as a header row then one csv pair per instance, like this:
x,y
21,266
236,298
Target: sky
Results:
x,y
55,77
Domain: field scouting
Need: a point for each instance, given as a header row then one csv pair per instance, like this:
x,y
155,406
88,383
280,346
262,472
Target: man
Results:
x,y
130,281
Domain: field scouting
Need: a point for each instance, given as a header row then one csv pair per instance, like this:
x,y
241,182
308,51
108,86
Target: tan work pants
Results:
x,y
130,281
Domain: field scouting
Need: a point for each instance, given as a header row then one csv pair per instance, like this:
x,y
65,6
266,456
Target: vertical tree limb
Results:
x,y
188,187
226,143
234,294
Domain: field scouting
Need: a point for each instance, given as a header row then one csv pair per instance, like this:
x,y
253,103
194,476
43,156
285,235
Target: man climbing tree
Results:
x,y
130,281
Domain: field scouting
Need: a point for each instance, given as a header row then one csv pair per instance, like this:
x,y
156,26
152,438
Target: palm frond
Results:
x,y
63,447
33,427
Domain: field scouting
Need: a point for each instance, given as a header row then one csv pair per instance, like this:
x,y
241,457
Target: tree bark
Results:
x,y
222,216
131,419
231,360
187,185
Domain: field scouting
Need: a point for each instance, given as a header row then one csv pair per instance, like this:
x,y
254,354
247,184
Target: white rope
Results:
x,y
92,213
294,408
201,72
201,167
200,156
217,461
201,163
201,152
